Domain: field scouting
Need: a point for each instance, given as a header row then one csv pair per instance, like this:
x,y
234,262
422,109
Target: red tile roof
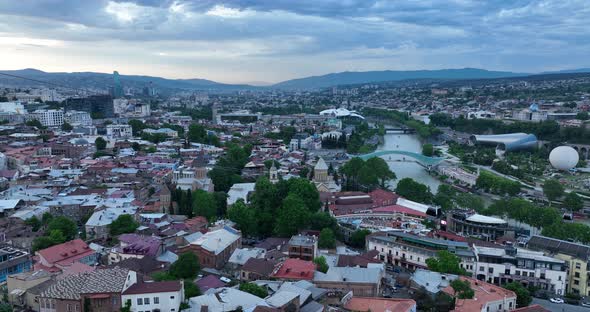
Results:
x,y
383,198
295,269
364,304
153,287
484,293
66,253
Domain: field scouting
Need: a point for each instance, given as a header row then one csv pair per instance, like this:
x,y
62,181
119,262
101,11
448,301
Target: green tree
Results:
x,y
57,237
68,227
66,126
462,289
412,190
428,150
244,217
381,169
254,289
292,216
523,296
204,204
191,289
35,123
553,190
123,224
46,218
34,223
445,262
321,264
100,143
307,192
582,116
42,242
137,126
573,201
186,267
5,307
327,239
321,220
358,238
163,276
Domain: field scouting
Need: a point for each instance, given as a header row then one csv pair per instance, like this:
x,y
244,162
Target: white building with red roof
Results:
x,y
154,296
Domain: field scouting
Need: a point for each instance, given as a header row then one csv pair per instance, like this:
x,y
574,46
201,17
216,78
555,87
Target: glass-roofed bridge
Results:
x,y
425,161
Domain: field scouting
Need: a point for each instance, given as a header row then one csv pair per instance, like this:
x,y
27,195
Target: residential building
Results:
x,y
214,248
255,269
364,282
164,131
97,226
13,261
294,270
431,282
57,258
119,131
99,291
487,297
78,118
225,300
22,287
154,296
529,268
576,257
136,246
469,223
50,117
304,247
411,251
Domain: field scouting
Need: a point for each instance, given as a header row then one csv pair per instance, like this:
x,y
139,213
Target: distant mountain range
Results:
x,y
103,80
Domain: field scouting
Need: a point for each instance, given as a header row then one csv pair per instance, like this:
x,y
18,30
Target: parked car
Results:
x,y
556,300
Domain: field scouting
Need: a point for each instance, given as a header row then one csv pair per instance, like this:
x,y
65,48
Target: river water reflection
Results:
x,y
406,169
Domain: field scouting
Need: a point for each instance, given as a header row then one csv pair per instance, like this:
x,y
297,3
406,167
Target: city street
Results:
x,y
555,307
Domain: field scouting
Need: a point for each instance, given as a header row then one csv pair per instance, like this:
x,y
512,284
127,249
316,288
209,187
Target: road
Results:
x,y
555,307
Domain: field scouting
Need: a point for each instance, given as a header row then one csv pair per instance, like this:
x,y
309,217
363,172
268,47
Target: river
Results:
x,y
410,143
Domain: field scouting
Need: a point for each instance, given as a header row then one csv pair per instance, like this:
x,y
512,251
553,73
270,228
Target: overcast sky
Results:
x,y
275,40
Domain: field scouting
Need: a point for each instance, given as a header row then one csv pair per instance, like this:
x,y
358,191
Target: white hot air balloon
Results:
x,y
564,158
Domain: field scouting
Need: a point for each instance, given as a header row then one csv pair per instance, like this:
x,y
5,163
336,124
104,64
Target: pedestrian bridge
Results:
x,y
425,161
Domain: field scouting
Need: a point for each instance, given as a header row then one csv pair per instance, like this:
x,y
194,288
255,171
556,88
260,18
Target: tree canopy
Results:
x,y
553,189
186,267
321,264
412,190
462,289
445,262
254,289
123,224
100,143
327,239
523,296
366,175
573,201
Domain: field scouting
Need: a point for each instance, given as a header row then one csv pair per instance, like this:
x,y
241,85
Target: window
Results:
x,y
156,300
576,282
146,300
578,265
543,275
510,305
499,307
559,278
531,274
139,301
69,307
491,270
481,269
577,274
171,297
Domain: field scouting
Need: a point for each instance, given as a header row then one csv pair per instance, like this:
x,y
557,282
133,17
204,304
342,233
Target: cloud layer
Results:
x,y
273,40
